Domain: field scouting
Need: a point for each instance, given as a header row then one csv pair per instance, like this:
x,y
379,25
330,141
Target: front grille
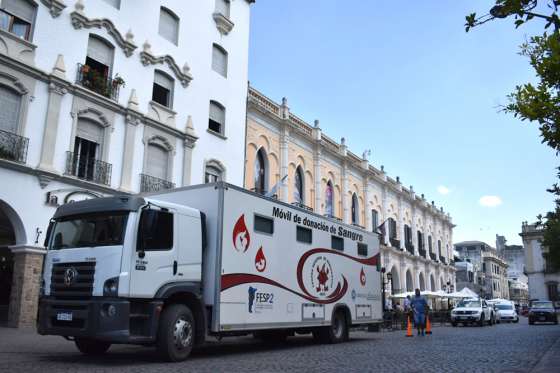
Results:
x,y
81,285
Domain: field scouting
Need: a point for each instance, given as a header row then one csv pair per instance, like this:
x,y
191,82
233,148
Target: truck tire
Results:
x,y
91,346
337,332
176,333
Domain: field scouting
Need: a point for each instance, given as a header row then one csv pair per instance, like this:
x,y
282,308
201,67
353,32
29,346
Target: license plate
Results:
x,y
542,318
462,317
64,316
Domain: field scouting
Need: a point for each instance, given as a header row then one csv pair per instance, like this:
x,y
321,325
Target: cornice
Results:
x,y
147,58
79,20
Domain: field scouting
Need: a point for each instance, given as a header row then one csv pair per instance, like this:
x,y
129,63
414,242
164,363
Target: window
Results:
x,y
304,235
157,161
374,220
420,240
17,17
355,210
222,7
392,228
362,249
87,148
329,209
155,231
212,174
552,289
260,172
162,92
217,118
337,243
407,234
430,244
219,60
483,267
10,102
169,25
298,186
114,3
264,225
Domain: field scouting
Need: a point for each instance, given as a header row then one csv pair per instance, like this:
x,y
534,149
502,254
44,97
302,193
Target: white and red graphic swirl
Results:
x,y
241,236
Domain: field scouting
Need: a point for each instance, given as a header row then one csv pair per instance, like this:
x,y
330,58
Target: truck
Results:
x,y
172,268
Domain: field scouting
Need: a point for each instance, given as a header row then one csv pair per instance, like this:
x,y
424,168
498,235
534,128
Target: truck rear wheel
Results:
x,y
337,332
176,333
91,346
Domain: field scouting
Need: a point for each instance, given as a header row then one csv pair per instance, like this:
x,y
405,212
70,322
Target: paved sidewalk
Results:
x,y
550,362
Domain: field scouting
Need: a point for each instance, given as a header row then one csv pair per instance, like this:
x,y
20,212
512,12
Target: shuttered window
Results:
x,y
90,131
115,3
100,51
22,9
217,118
17,17
10,102
163,89
222,7
219,60
169,25
157,162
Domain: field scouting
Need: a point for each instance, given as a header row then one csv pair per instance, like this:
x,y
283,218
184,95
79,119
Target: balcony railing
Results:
x,y
302,206
153,184
422,252
13,147
433,256
395,243
409,247
89,169
94,81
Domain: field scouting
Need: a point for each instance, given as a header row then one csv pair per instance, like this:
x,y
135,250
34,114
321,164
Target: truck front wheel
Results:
x,y
176,333
91,346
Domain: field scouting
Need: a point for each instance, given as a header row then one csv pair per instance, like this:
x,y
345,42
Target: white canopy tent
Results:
x,y
465,293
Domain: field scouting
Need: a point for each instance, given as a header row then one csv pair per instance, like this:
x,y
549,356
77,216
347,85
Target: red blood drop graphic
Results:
x,y
241,237
260,260
362,277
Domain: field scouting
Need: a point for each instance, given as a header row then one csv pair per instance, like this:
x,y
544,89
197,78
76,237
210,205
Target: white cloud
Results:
x,y
443,190
490,201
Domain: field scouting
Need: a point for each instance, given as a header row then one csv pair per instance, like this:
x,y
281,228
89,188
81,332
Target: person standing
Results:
x,y
407,304
419,308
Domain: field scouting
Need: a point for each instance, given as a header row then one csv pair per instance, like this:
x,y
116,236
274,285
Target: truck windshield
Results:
x,y
99,229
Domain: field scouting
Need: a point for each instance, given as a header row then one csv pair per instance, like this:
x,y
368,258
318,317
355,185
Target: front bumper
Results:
x,y
89,319
465,318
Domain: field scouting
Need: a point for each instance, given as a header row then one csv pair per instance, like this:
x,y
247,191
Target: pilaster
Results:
x,y
188,146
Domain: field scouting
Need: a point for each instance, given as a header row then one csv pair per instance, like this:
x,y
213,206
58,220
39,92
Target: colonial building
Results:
x,y
518,281
543,277
296,162
489,268
111,96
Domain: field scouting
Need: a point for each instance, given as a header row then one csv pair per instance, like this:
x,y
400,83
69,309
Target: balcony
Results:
x,y
409,247
395,243
422,252
13,147
433,257
93,80
302,206
89,169
153,184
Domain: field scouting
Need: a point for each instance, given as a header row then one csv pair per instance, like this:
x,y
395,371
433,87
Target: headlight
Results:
x,y
111,287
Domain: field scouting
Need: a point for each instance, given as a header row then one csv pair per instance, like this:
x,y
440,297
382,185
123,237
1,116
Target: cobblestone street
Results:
x,y
501,348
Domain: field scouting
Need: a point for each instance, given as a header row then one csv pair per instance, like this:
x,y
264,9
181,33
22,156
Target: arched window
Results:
x,y
95,74
219,60
222,7
18,17
157,161
355,209
214,172
329,196
84,160
439,247
169,25
162,90
298,186
260,172
217,118
10,102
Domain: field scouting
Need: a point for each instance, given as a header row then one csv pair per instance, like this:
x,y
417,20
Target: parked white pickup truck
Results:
x,y
470,311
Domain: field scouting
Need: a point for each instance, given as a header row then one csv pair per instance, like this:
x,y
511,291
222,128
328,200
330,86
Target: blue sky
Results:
x,y
405,80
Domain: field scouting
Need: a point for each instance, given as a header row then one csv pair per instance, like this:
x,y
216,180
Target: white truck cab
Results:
x,y
170,268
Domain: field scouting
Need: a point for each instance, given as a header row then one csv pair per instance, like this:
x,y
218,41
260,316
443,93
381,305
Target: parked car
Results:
x,y
506,312
471,311
542,311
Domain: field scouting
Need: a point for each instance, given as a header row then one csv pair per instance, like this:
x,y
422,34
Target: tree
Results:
x,y
540,102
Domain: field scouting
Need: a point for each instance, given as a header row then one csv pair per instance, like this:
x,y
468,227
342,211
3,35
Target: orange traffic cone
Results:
x,y
408,328
428,325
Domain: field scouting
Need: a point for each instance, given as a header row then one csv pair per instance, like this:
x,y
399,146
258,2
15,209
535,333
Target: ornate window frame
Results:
x,y
96,116
214,163
152,137
15,84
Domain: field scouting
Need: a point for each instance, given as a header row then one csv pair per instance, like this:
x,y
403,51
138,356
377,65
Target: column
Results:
x,y
188,146
367,197
414,228
385,215
317,179
26,282
132,122
400,223
284,141
345,207
57,89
